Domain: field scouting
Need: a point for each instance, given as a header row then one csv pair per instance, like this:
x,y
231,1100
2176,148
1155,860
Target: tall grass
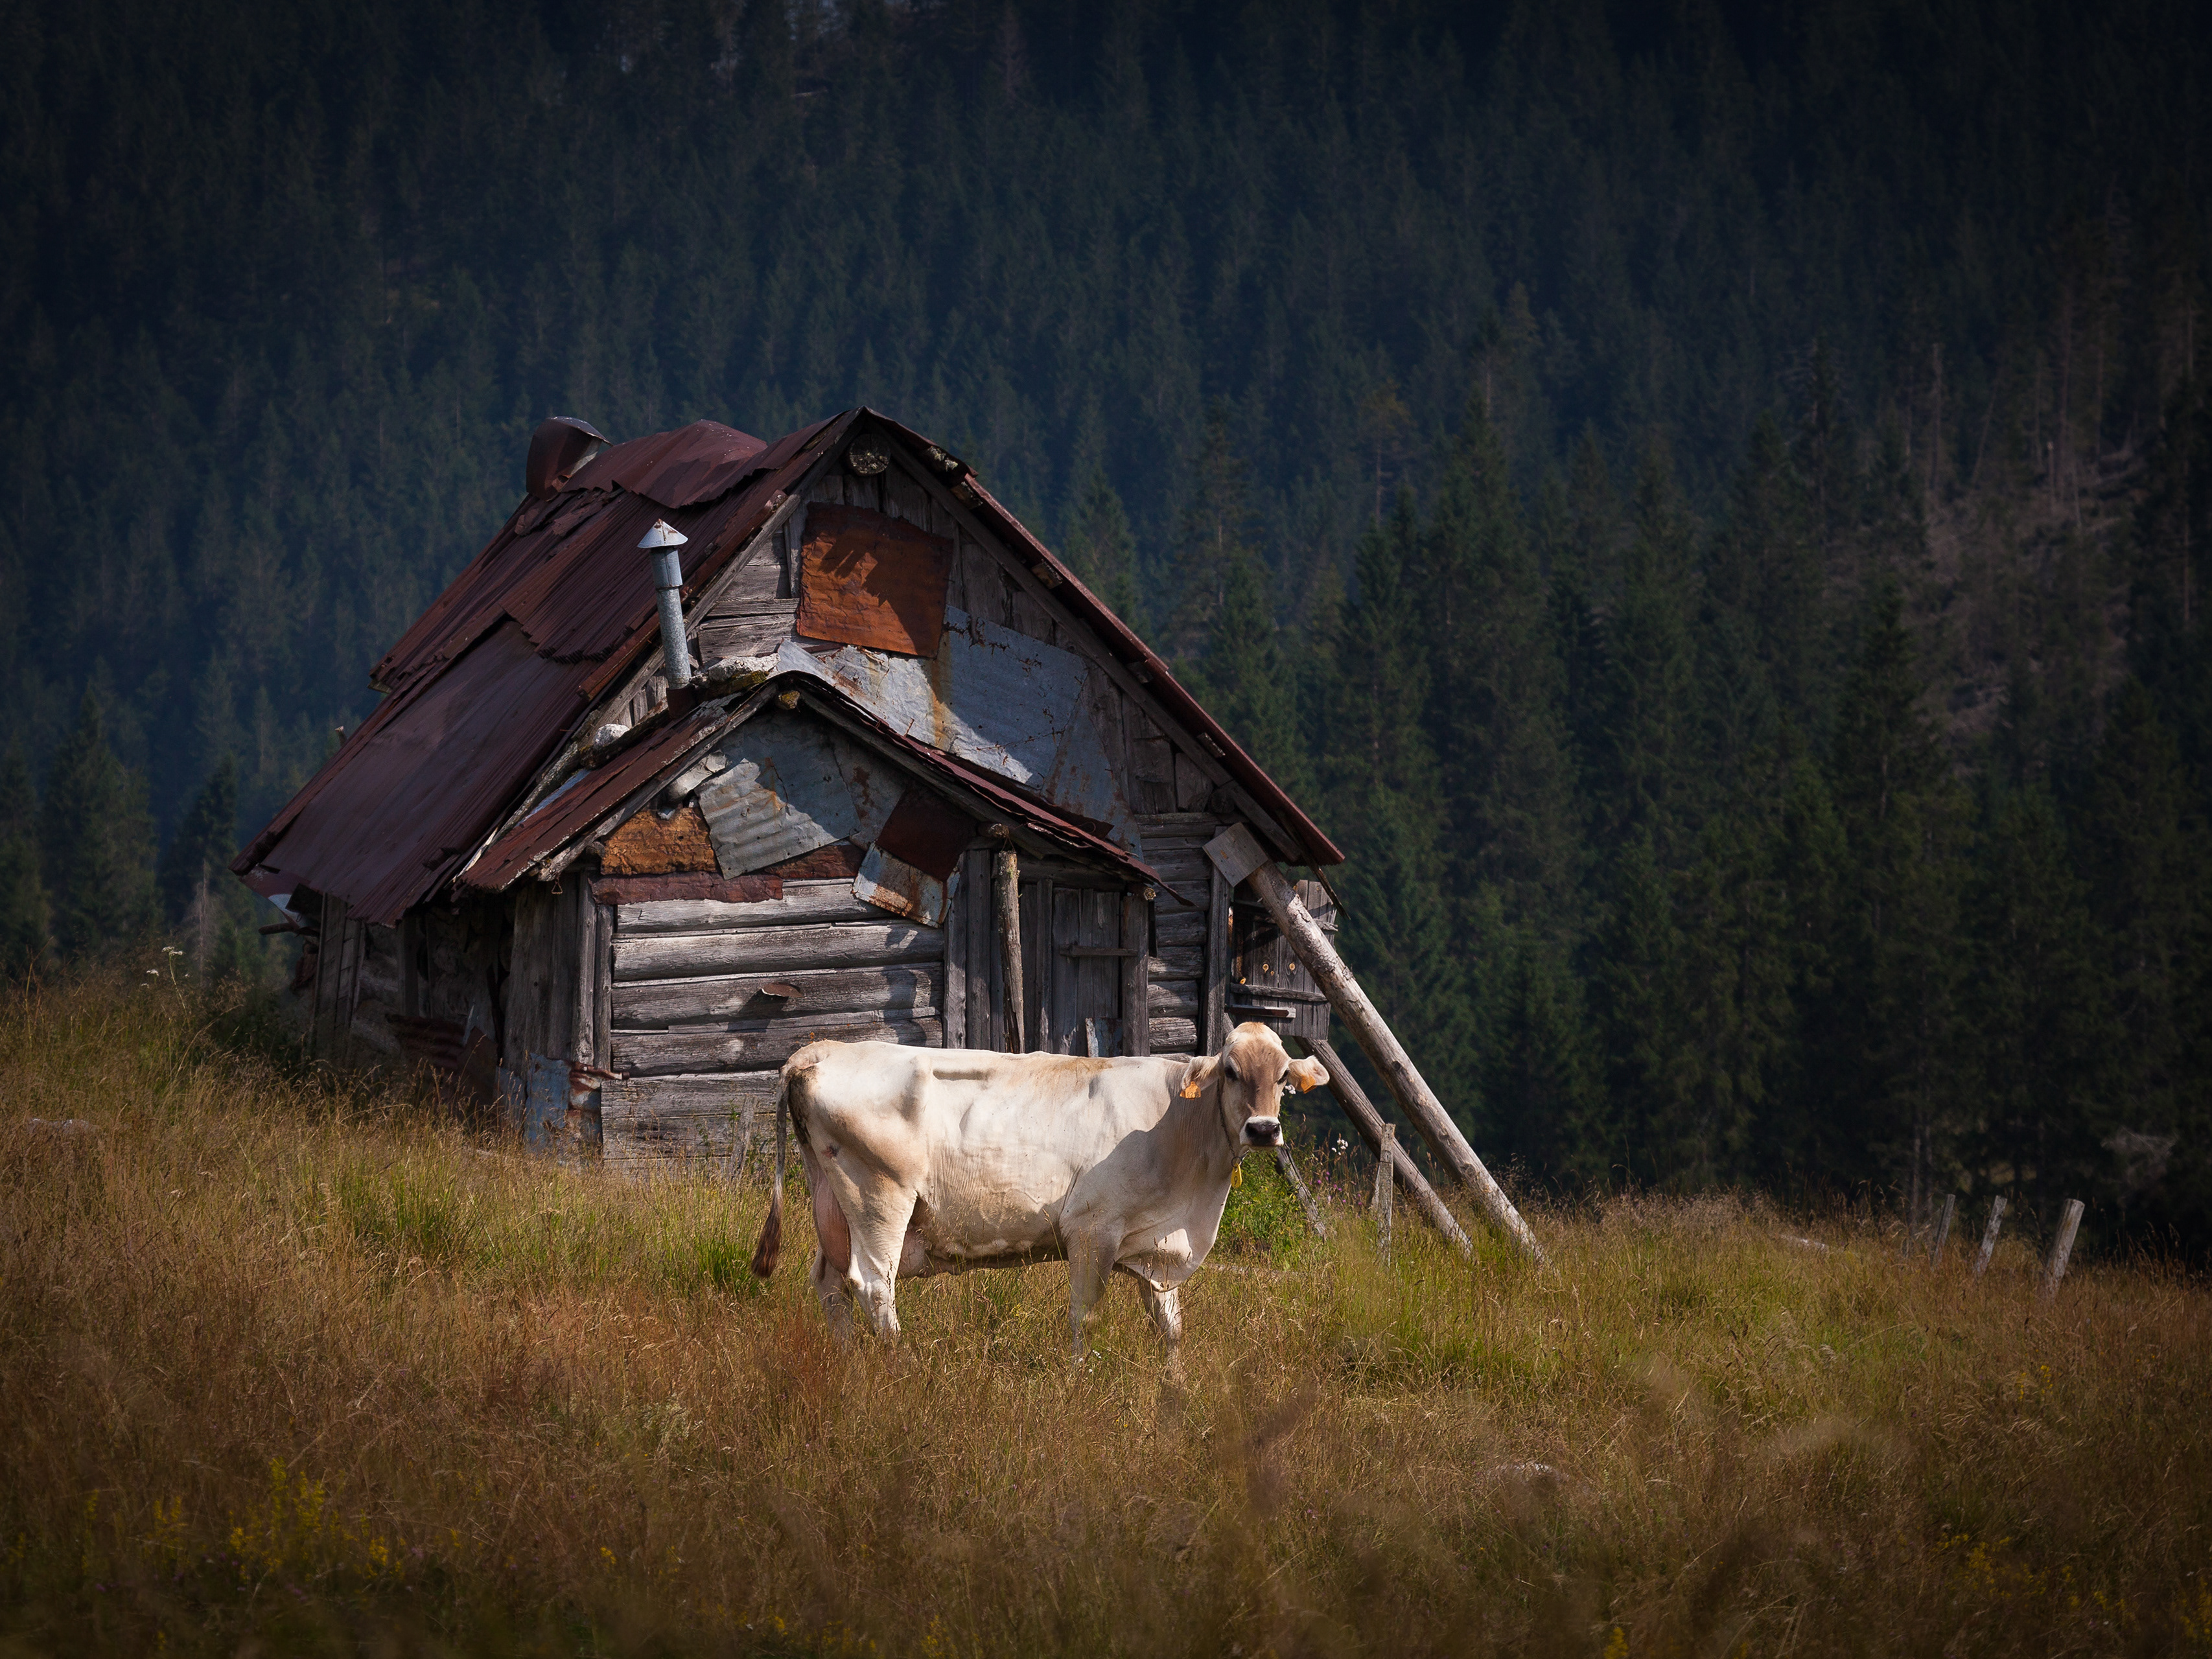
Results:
x,y
291,1367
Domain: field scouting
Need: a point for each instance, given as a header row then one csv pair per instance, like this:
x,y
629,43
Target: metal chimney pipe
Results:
x,y
661,541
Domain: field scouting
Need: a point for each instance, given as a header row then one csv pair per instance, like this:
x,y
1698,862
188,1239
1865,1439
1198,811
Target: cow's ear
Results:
x,y
1198,1074
1307,1074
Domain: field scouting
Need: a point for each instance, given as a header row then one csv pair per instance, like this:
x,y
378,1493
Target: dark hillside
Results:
x,y
1731,482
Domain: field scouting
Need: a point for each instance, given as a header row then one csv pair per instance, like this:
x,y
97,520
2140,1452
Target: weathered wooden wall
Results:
x,y
707,999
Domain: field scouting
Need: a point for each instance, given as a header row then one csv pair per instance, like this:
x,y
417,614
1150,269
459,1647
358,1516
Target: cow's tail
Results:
x,y
771,1237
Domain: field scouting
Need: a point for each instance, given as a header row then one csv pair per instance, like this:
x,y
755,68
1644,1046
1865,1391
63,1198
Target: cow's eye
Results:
x,y
1232,1070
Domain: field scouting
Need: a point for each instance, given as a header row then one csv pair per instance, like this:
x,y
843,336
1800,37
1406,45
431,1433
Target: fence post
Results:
x,y
1943,1229
1990,1236
1386,1182
2061,1248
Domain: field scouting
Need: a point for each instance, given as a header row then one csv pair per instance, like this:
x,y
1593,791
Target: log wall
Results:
x,y
707,999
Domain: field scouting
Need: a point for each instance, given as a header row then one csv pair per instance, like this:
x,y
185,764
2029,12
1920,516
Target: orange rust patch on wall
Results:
x,y
870,579
647,846
839,861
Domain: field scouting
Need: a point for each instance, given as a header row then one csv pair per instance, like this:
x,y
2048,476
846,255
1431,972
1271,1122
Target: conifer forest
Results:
x,y
1702,503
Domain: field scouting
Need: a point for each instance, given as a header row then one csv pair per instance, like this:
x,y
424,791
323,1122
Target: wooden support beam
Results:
x,y
1238,856
1006,904
1369,1122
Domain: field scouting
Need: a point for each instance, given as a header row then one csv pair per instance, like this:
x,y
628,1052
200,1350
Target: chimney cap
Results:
x,y
663,534
558,448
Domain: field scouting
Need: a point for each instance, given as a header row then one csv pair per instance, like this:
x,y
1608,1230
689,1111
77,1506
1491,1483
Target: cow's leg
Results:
x,y
1090,1263
1165,1306
879,1242
833,1252
836,1306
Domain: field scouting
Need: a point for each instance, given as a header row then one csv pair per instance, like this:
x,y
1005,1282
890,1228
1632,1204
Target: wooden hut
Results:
x,y
907,780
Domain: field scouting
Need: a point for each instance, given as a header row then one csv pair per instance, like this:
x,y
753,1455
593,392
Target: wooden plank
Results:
x,y
749,997
747,636
1173,1037
960,899
1369,1125
1173,998
602,981
544,973
1006,913
1180,926
983,994
880,943
672,1124
584,917
1217,963
1238,857
802,902
1136,975
704,1049
753,587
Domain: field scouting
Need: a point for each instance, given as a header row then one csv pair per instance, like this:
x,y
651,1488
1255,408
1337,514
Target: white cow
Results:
x,y
934,1160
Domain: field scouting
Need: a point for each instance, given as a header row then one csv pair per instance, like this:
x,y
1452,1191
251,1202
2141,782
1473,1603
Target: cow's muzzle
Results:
x,y
1263,1131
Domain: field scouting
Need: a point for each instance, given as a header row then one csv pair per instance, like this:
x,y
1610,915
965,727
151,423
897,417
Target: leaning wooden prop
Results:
x,y
932,1161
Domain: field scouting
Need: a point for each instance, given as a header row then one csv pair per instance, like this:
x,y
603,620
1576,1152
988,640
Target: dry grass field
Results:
x,y
290,1369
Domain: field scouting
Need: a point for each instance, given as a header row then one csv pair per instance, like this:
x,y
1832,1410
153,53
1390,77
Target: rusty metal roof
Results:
x,y
558,607
497,673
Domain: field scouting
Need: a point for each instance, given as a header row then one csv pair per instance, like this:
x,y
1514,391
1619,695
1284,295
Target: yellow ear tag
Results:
x,y
1190,1092
1236,1175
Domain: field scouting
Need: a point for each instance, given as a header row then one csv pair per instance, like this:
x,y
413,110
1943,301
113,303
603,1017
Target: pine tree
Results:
x,y
97,843
25,922
198,858
2147,897
1383,798
1902,821
2035,1004
1652,771
1103,552
1636,982
1245,682
1495,714
1217,526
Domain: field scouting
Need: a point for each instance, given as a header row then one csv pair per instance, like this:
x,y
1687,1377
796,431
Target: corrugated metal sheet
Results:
x,y
871,580
793,785
682,468
1005,701
392,814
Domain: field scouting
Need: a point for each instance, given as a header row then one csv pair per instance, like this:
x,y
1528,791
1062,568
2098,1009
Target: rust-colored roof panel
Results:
x,y
682,468
497,673
575,808
402,803
867,578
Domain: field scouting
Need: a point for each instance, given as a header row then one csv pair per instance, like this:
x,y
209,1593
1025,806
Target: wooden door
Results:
x,y
1083,957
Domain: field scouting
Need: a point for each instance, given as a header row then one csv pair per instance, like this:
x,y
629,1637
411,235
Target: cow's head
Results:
x,y
1250,1071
